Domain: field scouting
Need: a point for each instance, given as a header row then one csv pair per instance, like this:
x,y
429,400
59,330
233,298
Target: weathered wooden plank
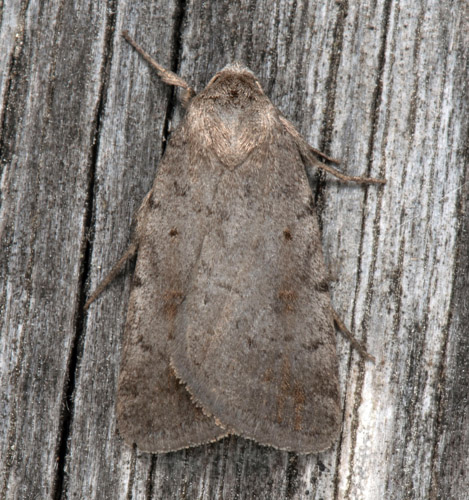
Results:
x,y
382,85
405,270
130,146
414,231
53,55
451,457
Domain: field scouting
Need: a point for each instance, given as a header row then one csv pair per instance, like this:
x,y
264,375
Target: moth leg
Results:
x,y
340,175
323,155
165,74
131,251
310,153
357,345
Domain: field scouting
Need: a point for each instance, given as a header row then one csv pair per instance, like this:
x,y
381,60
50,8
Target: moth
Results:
x,y
230,328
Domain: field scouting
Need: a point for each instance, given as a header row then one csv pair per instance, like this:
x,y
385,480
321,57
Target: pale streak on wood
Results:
x,y
392,77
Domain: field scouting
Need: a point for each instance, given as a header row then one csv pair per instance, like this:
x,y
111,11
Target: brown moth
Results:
x,y
229,327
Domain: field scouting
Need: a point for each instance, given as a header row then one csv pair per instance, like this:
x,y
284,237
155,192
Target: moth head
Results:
x,y
234,82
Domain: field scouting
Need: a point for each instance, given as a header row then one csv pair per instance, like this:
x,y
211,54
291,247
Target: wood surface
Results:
x,y
381,84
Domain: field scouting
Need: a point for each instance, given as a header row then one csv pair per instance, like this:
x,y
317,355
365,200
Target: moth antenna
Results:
x,y
131,251
165,74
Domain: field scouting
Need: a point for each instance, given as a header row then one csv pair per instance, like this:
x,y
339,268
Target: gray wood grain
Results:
x,y
381,85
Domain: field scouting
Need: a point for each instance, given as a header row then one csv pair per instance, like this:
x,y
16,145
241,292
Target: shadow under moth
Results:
x,y
229,328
